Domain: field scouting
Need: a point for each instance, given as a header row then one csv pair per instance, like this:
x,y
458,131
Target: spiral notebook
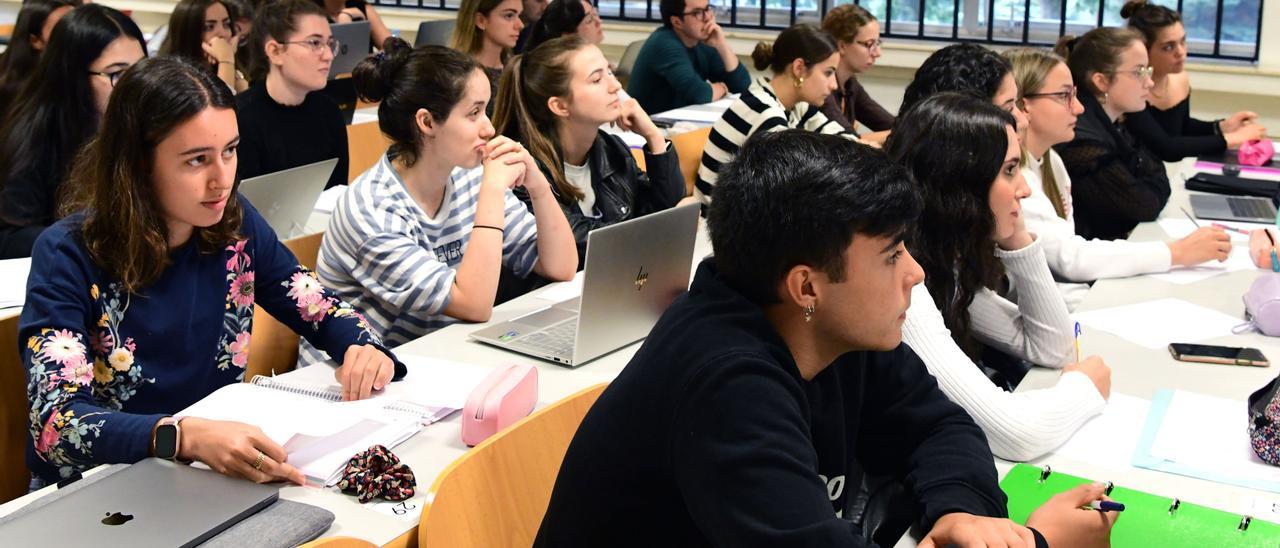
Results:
x,y
318,430
1147,520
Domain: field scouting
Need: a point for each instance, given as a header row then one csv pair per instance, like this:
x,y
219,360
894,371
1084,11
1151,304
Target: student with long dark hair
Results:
x,y
1165,125
202,32
554,100
1116,181
963,153
487,30
284,122
30,38
566,18
857,33
142,302
419,239
803,66
57,111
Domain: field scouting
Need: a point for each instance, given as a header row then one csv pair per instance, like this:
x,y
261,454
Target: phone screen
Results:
x,y
1181,351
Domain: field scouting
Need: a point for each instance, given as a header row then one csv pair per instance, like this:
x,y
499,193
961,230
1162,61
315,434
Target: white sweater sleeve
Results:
x,y
1019,426
1039,328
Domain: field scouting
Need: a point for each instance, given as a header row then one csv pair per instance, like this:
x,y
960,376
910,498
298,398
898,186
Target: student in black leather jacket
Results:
x,y
553,100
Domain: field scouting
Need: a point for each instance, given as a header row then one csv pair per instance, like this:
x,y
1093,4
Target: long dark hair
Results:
x,y
953,144
55,113
124,228
559,18
19,59
186,31
968,68
402,80
522,113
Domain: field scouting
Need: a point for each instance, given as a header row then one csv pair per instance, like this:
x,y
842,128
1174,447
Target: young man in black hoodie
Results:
x,y
780,373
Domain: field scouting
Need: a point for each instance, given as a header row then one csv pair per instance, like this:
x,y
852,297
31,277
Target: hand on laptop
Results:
x,y
236,449
1207,243
364,369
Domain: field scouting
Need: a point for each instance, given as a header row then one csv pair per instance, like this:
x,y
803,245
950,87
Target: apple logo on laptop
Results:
x,y
117,519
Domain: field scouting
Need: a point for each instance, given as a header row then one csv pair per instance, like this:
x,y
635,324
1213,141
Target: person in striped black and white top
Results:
x,y
803,61
420,238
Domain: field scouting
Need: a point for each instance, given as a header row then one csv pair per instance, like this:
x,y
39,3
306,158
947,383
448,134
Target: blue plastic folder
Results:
x,y
1142,457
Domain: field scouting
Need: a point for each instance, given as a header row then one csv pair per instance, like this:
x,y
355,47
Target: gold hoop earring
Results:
x,y
808,313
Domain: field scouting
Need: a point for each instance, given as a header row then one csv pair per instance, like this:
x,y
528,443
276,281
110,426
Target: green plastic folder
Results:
x,y
1146,520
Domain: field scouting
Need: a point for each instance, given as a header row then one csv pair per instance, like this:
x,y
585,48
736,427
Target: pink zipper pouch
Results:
x,y
507,395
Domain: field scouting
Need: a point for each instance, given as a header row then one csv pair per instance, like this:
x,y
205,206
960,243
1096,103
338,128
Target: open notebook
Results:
x,y
319,431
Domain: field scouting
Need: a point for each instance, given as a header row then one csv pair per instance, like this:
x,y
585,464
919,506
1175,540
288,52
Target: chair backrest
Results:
x,y
497,493
365,146
628,61
339,542
689,146
436,33
14,410
273,347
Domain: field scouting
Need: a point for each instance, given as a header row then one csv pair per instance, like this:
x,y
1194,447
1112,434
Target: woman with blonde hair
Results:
x,y
1047,93
487,31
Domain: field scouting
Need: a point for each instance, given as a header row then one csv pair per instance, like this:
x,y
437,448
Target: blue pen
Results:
x,y
1275,261
1078,330
1105,506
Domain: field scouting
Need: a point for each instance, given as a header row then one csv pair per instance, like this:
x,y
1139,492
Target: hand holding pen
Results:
x,y
1262,249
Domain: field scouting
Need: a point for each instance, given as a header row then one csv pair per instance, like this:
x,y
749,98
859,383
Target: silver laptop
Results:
x,y
152,503
286,198
634,270
1247,209
353,46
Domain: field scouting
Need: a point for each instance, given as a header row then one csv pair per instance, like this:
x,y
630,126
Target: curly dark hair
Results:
x,y
964,68
953,145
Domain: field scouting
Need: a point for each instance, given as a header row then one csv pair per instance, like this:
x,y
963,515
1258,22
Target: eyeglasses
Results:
x,y
1063,97
1139,73
702,13
113,76
874,43
317,45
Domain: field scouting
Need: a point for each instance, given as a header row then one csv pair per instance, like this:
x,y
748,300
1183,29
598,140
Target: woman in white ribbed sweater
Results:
x,y
964,155
1047,94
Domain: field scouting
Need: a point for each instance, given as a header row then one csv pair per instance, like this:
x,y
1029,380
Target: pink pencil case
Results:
x,y
504,397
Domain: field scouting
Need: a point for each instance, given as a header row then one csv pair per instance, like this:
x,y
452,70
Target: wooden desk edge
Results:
x,y
408,540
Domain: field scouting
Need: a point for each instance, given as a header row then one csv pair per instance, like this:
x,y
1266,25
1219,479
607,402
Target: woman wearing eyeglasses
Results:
x,y
284,122
1166,125
1116,181
1047,94
203,33
857,33
56,112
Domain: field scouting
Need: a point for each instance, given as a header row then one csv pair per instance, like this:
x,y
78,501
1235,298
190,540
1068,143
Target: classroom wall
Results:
x,y
1219,87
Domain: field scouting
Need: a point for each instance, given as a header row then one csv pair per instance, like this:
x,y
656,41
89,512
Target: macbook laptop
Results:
x,y
1247,209
634,270
152,503
286,198
353,46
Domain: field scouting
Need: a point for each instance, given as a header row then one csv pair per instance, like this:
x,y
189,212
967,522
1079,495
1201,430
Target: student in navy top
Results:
x,y
554,100
142,303
30,38
203,33
55,114
284,121
1166,125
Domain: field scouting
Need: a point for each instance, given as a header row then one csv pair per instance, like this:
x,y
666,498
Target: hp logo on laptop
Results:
x,y
641,278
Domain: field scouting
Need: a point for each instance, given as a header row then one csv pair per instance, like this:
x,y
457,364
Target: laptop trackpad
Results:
x,y
546,317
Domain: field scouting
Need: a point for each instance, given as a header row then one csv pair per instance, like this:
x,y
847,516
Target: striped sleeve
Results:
x,y
749,114
519,238
812,119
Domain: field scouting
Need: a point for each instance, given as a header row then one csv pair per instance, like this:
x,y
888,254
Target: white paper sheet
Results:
x,y
1181,228
13,281
703,115
1210,433
1238,260
1155,324
1109,439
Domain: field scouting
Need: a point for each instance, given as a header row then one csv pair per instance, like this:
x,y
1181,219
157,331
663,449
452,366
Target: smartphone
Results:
x,y
1228,355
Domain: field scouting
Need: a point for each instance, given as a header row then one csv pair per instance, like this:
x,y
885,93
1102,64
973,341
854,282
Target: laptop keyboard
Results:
x,y
1254,208
556,340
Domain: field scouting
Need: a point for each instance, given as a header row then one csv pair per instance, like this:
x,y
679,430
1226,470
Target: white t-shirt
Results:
x,y
580,178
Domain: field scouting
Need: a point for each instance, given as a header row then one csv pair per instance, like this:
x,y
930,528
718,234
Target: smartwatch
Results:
x,y
167,438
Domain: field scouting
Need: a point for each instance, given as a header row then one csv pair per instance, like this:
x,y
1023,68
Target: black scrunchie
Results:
x,y
377,473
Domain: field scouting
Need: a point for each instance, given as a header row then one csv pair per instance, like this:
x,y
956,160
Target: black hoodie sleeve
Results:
x,y
912,431
1171,148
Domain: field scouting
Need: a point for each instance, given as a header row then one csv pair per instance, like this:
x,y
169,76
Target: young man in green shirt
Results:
x,y
687,61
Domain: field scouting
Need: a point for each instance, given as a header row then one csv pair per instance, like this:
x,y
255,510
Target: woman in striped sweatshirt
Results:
x,y
803,62
963,153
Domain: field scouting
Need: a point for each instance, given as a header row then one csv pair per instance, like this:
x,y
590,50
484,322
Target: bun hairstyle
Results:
x,y
1098,51
522,114
844,21
402,80
1148,19
801,41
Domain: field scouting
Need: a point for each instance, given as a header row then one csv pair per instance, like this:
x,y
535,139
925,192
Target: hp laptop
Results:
x,y
286,198
152,503
1247,209
634,269
353,46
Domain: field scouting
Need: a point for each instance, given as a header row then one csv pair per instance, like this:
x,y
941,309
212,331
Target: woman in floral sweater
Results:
x,y
141,303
